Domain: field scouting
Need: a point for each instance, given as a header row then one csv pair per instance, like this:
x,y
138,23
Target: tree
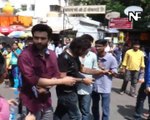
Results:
x,y
119,6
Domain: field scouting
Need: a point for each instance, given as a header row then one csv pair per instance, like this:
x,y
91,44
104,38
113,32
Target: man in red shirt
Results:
x,y
39,69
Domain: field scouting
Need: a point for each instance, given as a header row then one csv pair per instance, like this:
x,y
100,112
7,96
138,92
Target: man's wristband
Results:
x,y
80,79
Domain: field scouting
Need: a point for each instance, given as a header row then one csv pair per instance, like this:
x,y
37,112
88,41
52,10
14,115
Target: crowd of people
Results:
x,y
82,73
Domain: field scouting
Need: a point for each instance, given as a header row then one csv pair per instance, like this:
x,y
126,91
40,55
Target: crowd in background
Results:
x,y
90,69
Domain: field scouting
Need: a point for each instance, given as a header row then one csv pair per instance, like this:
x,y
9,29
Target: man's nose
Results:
x,y
39,40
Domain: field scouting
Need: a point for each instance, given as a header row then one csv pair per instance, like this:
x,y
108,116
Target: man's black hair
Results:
x,y
102,42
79,44
42,28
8,46
136,42
88,37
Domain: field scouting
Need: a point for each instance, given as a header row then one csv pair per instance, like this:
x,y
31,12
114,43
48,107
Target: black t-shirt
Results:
x,y
2,64
71,66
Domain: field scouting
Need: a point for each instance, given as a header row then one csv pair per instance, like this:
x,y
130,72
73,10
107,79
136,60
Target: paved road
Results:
x,y
122,106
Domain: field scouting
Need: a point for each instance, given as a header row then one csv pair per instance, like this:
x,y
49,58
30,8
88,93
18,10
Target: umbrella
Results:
x,y
17,27
2,34
6,30
27,34
7,40
16,34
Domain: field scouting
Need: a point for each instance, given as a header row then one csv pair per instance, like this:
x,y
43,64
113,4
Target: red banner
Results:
x,y
120,23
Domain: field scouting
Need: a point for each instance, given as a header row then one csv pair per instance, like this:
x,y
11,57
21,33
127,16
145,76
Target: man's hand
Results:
x,y
88,81
112,73
140,80
12,102
30,117
106,72
122,70
70,81
147,90
41,90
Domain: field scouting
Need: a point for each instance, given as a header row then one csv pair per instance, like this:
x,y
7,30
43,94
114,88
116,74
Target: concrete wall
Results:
x,y
41,6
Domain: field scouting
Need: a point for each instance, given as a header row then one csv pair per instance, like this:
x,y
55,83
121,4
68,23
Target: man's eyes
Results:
x,y
42,38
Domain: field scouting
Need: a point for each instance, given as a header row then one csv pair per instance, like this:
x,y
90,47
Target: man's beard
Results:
x,y
41,47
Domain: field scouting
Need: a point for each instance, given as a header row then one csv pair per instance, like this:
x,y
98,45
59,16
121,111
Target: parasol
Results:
x,y
27,34
17,27
7,40
2,34
16,34
6,30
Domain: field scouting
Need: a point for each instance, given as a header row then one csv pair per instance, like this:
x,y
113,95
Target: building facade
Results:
x,y
50,7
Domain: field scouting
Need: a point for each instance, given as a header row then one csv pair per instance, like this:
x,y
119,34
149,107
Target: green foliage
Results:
x,y
115,6
119,6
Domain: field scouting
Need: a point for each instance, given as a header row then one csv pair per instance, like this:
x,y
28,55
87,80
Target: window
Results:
x,y
32,7
55,8
24,7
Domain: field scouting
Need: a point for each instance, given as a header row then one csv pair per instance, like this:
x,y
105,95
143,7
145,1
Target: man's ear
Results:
x,y
2,77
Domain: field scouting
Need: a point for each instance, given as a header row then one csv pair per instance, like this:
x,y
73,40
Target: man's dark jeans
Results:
x,y
105,97
140,102
84,105
67,104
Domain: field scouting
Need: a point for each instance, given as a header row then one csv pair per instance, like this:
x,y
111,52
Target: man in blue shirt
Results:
x,y
103,83
142,93
13,62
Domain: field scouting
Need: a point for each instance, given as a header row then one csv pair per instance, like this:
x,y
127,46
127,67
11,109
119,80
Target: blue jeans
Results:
x,y
105,97
15,73
140,102
67,104
84,105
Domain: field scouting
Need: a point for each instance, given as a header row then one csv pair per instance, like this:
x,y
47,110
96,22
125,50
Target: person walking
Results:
x,y
133,62
118,53
39,70
59,49
14,65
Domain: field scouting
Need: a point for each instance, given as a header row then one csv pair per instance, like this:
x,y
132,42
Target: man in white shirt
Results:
x,y
84,91
59,49
89,61
51,46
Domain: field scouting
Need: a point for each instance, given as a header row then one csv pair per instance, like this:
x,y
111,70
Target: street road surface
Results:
x,y
122,106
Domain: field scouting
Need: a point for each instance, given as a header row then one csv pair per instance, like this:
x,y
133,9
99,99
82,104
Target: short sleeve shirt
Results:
x,y
71,66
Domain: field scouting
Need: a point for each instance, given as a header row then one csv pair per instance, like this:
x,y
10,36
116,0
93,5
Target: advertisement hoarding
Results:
x,y
120,23
90,9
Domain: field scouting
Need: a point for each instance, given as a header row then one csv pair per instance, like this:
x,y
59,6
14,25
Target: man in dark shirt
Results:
x,y
70,65
39,69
